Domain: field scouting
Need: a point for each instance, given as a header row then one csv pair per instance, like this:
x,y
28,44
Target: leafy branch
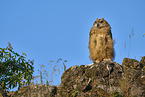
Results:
x,y
14,69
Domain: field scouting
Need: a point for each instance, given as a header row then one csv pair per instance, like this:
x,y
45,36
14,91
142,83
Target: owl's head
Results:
x,y
99,23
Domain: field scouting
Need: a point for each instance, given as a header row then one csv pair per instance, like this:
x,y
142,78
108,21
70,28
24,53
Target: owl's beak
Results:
x,y
97,24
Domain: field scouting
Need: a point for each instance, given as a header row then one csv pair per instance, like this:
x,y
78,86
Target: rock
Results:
x,y
132,70
132,63
91,80
142,61
104,79
35,91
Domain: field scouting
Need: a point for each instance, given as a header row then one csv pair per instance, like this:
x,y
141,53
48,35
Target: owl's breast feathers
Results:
x,y
102,32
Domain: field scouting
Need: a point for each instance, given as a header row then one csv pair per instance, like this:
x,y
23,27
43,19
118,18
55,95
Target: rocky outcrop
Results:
x,y
104,79
92,80
32,90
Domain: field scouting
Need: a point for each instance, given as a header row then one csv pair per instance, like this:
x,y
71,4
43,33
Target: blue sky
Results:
x,y
48,30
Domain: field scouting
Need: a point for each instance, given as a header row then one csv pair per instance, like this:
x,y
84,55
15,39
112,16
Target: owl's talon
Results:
x,y
97,61
107,59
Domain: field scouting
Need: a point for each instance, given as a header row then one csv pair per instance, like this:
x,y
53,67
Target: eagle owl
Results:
x,y
100,41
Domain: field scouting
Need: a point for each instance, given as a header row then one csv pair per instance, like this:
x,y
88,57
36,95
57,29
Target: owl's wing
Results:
x,y
110,34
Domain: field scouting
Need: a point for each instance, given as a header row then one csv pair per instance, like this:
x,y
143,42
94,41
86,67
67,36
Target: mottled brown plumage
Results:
x,y
100,41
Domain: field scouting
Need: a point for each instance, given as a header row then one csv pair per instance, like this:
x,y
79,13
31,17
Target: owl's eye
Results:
x,y
101,21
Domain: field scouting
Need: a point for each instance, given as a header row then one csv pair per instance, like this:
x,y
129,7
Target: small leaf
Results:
x,y
2,84
7,57
30,71
35,77
51,61
65,61
26,65
24,53
64,66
